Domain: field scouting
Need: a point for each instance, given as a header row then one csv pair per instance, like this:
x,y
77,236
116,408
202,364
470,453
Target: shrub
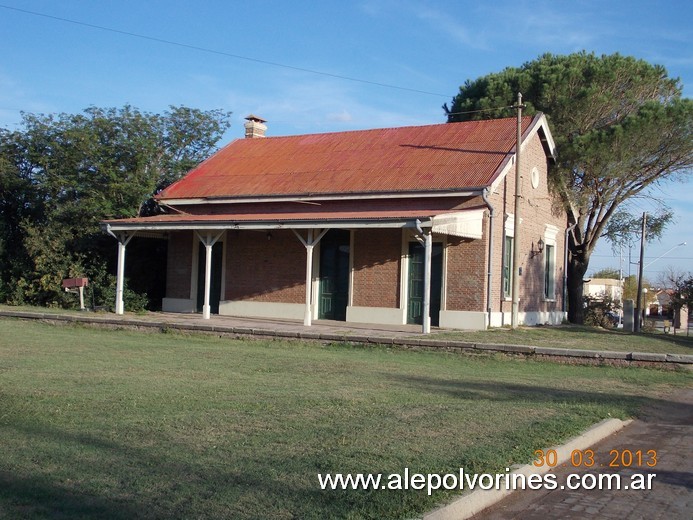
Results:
x,y
601,311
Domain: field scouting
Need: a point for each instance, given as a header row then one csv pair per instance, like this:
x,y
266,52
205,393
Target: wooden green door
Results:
x,y
416,283
215,289
333,291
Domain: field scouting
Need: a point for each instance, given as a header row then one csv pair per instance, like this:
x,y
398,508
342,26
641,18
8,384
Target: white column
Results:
x,y
308,315
120,277
208,241
206,307
123,238
428,247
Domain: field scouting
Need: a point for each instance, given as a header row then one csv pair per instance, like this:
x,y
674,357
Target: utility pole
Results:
x,y
639,305
516,229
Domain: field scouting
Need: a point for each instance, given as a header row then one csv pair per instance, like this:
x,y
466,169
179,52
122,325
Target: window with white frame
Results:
x,y
549,272
508,245
507,267
550,262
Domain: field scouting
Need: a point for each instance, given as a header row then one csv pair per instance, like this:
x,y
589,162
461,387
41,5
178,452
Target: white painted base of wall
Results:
x,y
468,320
500,319
249,309
379,315
178,305
543,318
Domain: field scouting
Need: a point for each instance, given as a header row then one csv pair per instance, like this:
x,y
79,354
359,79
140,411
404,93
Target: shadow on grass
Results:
x,y
676,339
39,497
631,405
123,482
553,333
117,481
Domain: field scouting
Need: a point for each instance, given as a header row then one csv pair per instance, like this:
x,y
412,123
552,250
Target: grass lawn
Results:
x,y
581,337
121,424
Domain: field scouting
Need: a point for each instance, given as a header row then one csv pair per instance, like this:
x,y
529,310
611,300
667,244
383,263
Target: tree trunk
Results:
x,y
577,267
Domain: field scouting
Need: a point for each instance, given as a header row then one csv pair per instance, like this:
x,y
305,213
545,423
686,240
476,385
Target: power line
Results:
x,y
222,53
667,257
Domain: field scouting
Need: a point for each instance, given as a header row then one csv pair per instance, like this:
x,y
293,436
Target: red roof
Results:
x,y
407,159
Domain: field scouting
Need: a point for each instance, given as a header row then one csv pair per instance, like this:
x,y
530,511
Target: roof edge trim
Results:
x,y
275,224
538,123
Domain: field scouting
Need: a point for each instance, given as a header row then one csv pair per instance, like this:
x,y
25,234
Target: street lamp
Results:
x,y
663,255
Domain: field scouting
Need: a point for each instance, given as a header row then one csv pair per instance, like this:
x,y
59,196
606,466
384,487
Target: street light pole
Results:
x,y
514,317
641,268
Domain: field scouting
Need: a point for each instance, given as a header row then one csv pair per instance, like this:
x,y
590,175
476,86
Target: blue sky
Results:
x,y
426,48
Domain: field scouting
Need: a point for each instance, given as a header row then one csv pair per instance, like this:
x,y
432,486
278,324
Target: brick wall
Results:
x,y
264,270
179,265
465,289
538,208
376,259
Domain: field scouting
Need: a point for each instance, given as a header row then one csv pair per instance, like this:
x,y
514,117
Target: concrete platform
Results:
x,y
407,336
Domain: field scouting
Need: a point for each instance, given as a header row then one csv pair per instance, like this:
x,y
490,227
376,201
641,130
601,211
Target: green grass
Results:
x,y
120,424
581,337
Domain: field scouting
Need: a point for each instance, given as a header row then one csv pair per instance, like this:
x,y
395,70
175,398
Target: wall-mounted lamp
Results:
x,y
269,235
539,250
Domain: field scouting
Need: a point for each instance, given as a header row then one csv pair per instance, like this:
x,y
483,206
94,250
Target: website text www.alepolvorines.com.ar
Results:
x,y
462,480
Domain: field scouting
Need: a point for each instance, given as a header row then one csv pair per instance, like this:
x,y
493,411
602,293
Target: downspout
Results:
x,y
419,229
489,281
565,266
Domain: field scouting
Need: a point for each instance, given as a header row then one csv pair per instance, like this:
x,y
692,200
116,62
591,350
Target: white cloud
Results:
x,y
342,117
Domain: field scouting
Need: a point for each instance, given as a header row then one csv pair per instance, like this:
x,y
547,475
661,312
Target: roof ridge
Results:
x,y
388,128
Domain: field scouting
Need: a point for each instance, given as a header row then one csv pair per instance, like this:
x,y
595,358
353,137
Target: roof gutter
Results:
x,y
259,225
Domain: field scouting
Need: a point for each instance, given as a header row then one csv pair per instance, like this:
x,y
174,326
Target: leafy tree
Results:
x,y
609,272
620,125
683,293
624,229
61,174
630,287
681,286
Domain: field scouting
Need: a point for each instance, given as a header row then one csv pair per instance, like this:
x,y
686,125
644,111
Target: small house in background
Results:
x,y
385,226
662,306
599,287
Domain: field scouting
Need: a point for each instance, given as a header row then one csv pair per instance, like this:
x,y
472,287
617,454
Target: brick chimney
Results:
x,y
255,127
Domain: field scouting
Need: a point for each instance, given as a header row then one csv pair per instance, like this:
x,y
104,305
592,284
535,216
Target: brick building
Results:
x,y
383,226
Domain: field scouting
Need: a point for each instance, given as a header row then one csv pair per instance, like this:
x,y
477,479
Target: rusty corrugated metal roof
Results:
x,y
408,159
